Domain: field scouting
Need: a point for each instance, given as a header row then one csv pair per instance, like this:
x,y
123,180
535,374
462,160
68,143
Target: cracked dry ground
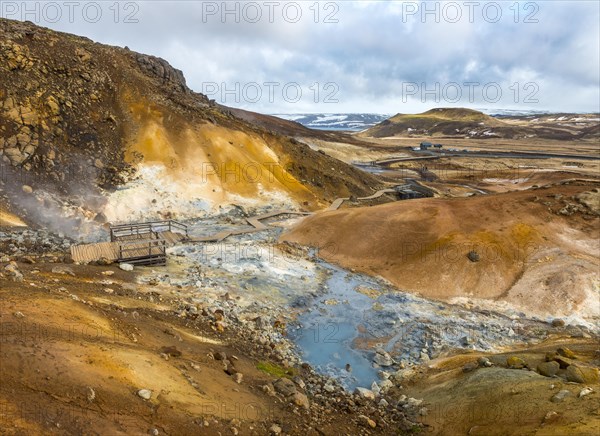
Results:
x,y
74,354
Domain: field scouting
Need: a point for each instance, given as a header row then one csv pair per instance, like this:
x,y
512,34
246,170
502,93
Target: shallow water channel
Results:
x,y
337,319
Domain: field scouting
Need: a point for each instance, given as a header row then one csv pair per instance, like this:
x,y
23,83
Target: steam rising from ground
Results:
x,y
73,215
157,194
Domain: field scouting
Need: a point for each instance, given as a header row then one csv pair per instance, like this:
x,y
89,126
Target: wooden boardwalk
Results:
x,y
338,202
255,222
86,253
139,240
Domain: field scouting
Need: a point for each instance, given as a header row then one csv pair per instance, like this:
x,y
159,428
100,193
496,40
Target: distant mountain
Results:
x,y
352,122
468,123
442,121
513,112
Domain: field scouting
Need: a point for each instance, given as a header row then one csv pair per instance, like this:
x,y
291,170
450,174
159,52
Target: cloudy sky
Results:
x,y
356,56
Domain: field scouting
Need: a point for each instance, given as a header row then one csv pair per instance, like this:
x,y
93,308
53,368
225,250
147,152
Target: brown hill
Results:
x,y
441,121
537,251
468,123
83,119
291,128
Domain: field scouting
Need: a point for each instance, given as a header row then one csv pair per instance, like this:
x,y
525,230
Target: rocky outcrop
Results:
x,y
17,56
163,71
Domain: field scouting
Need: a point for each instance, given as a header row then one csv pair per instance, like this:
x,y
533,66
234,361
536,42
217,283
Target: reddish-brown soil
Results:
x,y
531,255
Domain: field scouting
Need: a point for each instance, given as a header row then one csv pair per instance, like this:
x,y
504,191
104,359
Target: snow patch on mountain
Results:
x,y
353,122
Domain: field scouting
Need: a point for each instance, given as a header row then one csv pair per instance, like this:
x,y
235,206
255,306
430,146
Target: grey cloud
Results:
x,y
371,51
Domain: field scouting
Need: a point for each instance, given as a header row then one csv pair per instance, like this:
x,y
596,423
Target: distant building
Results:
x,y
426,145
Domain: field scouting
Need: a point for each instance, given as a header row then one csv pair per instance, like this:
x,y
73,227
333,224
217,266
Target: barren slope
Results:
x,y
538,250
75,354
83,119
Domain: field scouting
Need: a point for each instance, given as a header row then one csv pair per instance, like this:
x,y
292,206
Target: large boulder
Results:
x,y
582,374
285,386
548,369
515,362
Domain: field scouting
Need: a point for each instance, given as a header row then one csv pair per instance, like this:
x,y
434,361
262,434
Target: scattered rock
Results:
x,y
558,322
585,391
559,397
91,394
83,54
385,385
548,369
298,380
382,358
366,421
269,390
364,393
27,189
300,400
237,377
285,386
413,402
515,362
63,270
375,388
484,362
275,429
13,271
469,367
126,266
564,362
550,417
171,351
28,259
219,355
565,352
146,394
473,256
230,369
104,261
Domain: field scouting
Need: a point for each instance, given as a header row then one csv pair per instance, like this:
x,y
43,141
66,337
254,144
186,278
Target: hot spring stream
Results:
x,y
338,319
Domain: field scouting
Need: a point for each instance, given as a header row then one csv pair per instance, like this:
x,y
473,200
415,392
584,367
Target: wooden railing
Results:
x,y
138,251
141,230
